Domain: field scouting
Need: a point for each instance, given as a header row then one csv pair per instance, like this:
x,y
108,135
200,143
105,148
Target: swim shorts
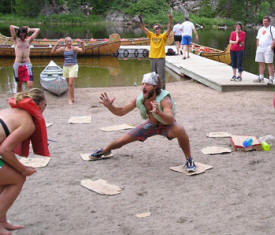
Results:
x,y
264,55
177,38
186,40
23,72
147,129
70,71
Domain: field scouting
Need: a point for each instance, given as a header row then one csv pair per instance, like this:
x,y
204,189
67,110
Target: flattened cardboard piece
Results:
x,y
218,134
80,119
101,186
143,215
201,168
35,162
237,143
86,157
48,124
117,127
215,150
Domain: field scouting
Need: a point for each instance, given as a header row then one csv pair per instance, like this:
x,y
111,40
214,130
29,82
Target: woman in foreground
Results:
x,y
21,123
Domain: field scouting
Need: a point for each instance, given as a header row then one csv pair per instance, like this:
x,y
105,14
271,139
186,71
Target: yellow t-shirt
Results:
x,y
157,45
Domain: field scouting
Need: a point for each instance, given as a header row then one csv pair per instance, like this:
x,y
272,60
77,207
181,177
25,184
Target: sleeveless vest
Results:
x,y
159,98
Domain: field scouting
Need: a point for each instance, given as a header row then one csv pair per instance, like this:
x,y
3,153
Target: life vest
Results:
x,y
39,138
159,98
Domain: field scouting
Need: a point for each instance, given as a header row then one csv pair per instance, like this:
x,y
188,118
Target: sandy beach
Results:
x,y
235,197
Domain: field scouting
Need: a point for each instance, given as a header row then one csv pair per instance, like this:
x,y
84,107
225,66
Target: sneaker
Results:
x,y
98,154
270,81
233,78
259,80
190,165
238,79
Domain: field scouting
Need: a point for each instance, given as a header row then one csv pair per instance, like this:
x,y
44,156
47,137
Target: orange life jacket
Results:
x,y
39,138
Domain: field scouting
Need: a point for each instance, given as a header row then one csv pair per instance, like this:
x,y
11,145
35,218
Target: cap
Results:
x,y
151,78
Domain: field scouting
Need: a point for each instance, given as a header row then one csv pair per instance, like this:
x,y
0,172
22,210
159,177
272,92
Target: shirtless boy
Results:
x,y
22,66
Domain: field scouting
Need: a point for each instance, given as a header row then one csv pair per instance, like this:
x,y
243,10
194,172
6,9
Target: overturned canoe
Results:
x,y
212,53
52,80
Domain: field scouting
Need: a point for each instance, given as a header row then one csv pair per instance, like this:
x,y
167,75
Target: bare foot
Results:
x,y
71,101
9,226
4,231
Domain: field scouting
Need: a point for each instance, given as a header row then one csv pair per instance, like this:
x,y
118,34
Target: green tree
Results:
x,y
30,8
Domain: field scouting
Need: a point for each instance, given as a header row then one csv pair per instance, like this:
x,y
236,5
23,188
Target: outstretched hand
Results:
x,y
105,100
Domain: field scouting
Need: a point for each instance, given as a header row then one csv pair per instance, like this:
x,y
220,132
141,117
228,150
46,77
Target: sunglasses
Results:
x,y
156,28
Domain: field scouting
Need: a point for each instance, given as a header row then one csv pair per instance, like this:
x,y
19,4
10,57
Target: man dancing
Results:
x,y
22,66
158,108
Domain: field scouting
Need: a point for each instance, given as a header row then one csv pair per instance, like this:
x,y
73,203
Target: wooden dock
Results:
x,y
211,73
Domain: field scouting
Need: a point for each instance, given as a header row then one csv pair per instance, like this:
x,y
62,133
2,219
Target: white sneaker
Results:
x,y
270,81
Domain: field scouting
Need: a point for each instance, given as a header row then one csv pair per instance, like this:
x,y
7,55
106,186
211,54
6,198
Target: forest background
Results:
x,y
202,12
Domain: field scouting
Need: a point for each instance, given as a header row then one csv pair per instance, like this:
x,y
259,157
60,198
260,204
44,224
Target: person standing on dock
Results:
x,y
70,67
157,47
187,29
177,36
264,53
237,39
22,67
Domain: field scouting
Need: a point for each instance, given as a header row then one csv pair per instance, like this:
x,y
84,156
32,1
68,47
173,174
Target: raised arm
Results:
x,y
119,111
12,31
169,29
34,31
142,26
55,49
80,49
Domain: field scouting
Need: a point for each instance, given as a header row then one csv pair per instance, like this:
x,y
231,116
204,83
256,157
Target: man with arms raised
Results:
x,y
157,107
157,47
22,66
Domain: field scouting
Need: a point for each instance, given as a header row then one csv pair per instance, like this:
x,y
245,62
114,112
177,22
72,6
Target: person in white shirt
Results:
x,y
177,35
264,53
187,28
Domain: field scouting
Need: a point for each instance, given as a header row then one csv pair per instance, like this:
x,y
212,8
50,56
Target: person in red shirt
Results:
x,y
237,39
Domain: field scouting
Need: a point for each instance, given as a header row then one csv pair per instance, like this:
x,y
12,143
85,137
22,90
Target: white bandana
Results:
x,y
151,78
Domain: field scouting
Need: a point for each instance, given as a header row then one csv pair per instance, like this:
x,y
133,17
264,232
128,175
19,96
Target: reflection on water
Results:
x,y
104,71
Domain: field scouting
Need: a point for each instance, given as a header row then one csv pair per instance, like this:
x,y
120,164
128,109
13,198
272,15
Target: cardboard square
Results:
x,y
35,162
86,157
101,186
80,119
117,127
215,150
218,134
143,215
237,143
201,168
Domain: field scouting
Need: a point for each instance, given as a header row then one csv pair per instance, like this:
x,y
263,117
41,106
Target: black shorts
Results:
x,y
177,38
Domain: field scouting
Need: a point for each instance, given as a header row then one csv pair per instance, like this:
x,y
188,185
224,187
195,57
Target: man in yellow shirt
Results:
x,y
157,47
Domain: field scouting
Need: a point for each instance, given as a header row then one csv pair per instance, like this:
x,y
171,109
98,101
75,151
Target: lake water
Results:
x,y
112,71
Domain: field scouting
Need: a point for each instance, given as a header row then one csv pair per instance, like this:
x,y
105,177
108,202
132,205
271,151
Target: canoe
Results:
x,y
52,80
98,48
212,53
